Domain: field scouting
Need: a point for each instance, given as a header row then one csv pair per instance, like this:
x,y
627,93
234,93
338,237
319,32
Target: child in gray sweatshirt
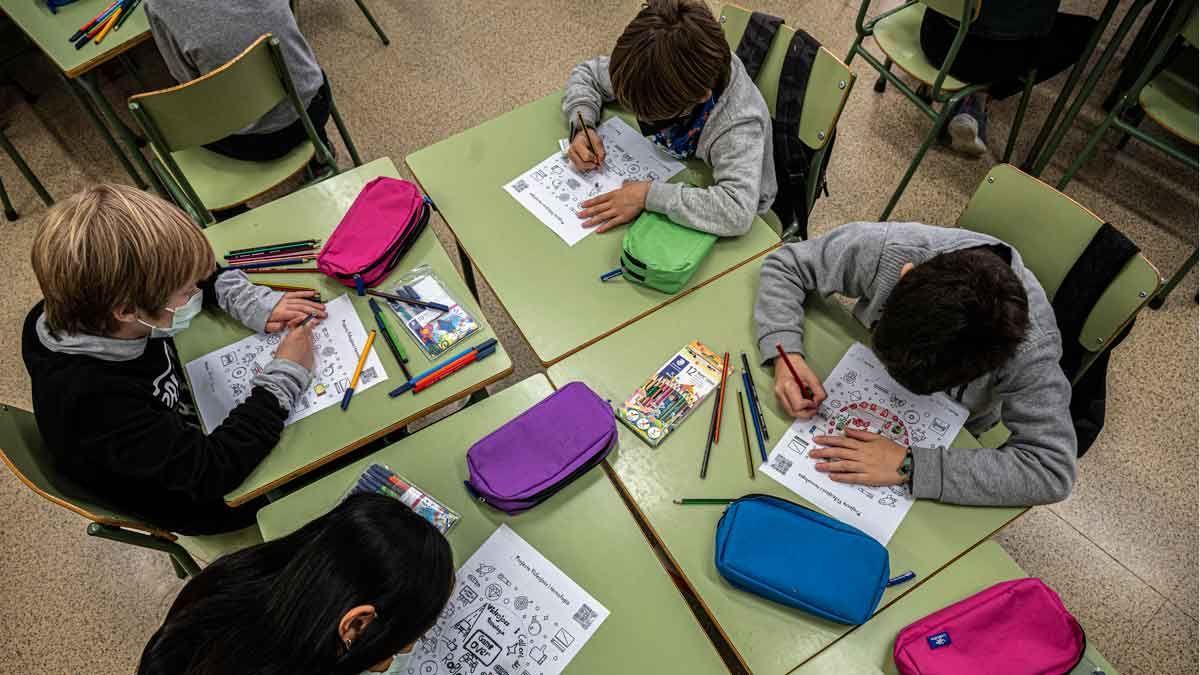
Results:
x,y
949,310
673,69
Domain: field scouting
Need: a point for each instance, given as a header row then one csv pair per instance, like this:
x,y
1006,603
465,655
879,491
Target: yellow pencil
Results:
x,y
112,20
362,361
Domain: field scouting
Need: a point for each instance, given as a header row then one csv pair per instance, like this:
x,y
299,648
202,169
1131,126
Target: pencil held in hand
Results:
x,y
805,390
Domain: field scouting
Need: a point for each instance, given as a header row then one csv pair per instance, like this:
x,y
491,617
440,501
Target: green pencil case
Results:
x,y
662,254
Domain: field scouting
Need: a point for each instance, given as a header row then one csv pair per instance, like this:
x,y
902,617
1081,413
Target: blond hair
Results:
x,y
112,246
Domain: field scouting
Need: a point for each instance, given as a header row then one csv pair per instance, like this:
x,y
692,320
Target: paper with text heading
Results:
x,y
553,190
861,395
512,612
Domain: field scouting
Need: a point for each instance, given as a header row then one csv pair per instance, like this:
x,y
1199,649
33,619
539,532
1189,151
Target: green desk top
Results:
x,y
552,291
50,32
770,638
585,530
313,212
868,648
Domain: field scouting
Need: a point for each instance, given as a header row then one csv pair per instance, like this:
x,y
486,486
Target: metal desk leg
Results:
x,y
88,82
8,148
9,211
86,102
1069,86
468,270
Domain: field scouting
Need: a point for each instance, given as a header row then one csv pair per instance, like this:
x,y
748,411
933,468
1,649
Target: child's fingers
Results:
x,y
862,435
600,218
307,307
299,295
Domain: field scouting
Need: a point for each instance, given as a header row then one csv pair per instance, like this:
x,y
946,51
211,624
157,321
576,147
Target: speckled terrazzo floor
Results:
x,y
1122,550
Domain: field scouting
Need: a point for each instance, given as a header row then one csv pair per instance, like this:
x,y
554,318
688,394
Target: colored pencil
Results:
x,y
271,263
362,361
268,255
87,27
756,403
108,25
289,288
804,390
712,427
745,436
306,319
489,343
128,12
267,262
693,501
721,398
284,270
397,352
477,355
612,274
273,247
587,137
410,301
762,449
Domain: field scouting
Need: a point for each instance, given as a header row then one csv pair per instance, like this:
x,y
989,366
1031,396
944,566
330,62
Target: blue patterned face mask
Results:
x,y
680,136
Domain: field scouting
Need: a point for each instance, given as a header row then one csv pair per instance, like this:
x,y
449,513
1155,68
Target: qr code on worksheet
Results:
x,y
520,186
584,616
781,464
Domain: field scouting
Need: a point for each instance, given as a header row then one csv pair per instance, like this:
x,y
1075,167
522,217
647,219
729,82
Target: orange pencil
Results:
x,y
721,399
112,20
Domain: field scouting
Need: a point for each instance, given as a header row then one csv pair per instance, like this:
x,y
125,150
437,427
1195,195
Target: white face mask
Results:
x,y
181,317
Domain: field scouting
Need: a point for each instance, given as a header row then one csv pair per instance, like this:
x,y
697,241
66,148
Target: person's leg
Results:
x,y
1064,45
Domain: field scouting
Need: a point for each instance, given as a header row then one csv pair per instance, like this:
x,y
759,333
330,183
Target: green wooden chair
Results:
x,y
7,146
829,86
1170,100
22,452
1051,230
178,121
897,33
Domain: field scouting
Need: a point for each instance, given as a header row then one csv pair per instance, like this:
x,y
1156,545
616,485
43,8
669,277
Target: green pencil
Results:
x,y
694,501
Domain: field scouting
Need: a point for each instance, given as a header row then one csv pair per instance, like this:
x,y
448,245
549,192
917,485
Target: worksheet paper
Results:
x,y
221,379
553,190
861,395
512,612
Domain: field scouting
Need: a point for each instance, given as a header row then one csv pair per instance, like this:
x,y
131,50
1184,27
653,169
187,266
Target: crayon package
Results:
x,y
380,479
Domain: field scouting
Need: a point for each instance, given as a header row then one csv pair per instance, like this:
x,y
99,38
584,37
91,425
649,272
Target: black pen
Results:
x,y
762,422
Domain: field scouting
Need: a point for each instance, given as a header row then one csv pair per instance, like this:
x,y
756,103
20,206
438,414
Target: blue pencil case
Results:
x,y
801,558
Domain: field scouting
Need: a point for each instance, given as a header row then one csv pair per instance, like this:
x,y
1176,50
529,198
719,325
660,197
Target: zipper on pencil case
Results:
x,y
539,497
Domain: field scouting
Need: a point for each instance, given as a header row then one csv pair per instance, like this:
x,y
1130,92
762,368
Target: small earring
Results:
x,y
348,643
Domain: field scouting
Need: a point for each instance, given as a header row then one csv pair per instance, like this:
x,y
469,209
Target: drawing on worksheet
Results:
x,y
553,190
221,379
512,612
861,395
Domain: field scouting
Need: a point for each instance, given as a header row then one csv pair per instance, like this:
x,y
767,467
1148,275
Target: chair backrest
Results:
x,y
1051,230
956,8
829,83
22,451
219,103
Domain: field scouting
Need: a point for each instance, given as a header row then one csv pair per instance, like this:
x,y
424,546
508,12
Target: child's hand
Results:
x,y
297,345
292,307
861,458
788,392
581,155
615,208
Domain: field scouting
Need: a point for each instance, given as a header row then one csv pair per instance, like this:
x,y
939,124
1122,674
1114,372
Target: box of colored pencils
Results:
x,y
380,479
660,405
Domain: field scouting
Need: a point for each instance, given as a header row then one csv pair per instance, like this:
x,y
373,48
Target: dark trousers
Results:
x,y
276,144
1004,62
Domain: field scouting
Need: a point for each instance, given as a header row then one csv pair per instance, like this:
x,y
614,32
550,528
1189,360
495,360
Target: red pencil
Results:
x,y
451,368
808,393
721,399
283,270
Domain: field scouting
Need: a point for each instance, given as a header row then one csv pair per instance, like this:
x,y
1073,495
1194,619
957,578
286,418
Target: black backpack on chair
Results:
x,y
795,162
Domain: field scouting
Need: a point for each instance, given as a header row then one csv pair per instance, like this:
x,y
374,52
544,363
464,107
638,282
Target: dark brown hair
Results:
x,y
951,319
668,57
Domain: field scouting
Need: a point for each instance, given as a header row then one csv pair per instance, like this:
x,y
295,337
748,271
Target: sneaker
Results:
x,y
968,129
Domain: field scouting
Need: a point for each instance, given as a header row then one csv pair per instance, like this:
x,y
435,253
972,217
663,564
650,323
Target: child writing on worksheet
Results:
x,y
949,311
123,271
673,68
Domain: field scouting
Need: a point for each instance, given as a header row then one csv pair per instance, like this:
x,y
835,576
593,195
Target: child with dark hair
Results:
x,y
949,310
673,69
339,596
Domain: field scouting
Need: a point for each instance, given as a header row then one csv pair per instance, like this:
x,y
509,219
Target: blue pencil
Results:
x,y
762,449
269,263
486,344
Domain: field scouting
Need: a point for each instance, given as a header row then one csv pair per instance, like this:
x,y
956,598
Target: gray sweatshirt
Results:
x,y
735,142
1030,393
249,304
195,37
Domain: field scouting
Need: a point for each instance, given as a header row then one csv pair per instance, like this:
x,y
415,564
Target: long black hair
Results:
x,y
274,608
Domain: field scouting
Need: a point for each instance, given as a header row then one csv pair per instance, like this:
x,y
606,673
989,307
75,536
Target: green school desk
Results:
x,y
868,648
769,638
552,291
49,31
313,212
585,530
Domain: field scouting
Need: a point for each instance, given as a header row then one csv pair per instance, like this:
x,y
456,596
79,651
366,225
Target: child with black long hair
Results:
x,y
341,595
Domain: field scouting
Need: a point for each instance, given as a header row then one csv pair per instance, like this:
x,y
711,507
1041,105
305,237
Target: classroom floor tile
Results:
x,y
1122,550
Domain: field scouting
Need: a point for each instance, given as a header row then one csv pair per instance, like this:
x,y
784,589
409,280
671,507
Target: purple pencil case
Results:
x,y
542,450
